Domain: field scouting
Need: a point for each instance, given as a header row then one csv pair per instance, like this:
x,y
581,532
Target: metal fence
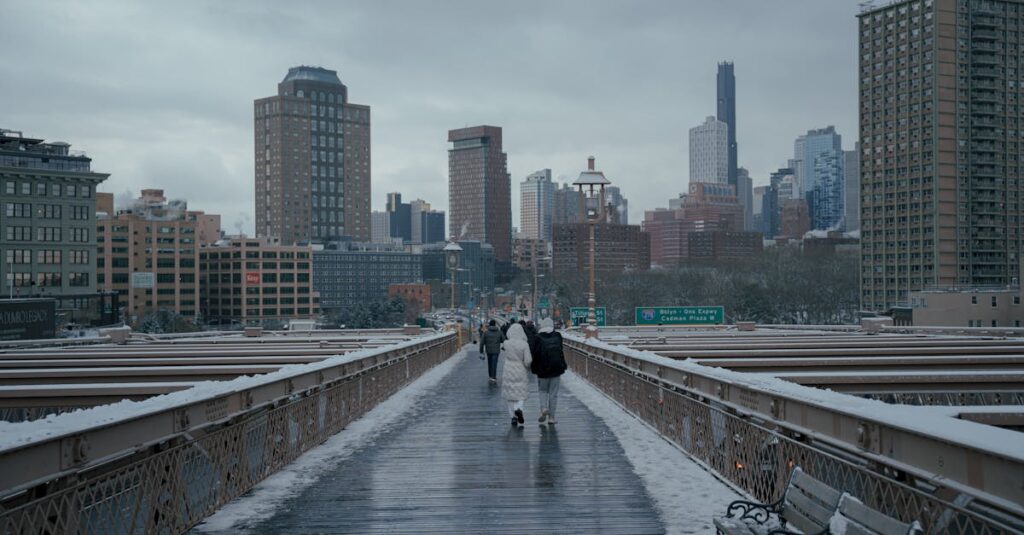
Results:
x,y
172,485
757,455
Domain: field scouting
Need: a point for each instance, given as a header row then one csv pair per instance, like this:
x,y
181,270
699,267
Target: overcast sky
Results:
x,y
160,94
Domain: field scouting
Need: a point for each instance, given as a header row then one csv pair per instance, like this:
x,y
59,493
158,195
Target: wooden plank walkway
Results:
x,y
453,464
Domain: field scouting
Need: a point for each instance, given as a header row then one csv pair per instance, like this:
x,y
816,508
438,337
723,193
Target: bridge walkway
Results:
x,y
454,464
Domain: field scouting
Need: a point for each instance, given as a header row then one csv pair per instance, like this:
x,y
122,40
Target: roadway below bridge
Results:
x,y
452,463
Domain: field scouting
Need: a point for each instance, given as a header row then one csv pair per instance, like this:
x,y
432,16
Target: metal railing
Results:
x,y
753,439
164,471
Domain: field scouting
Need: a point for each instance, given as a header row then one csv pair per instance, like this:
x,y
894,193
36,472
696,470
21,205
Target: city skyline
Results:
x,y
141,129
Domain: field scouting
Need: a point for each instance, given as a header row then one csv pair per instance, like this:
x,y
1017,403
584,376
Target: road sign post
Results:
x,y
710,315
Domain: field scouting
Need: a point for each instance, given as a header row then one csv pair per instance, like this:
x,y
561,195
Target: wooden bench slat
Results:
x,y
810,507
798,520
732,526
872,519
813,487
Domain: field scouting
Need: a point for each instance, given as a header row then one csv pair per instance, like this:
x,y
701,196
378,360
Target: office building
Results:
x,y
717,245
528,253
350,274
479,189
941,147
427,225
536,205
619,205
975,307
745,196
48,194
312,160
709,152
794,219
148,252
400,218
474,277
380,227
566,206
257,281
821,176
705,208
726,88
618,248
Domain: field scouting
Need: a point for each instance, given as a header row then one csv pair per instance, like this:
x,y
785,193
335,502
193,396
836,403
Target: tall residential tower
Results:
x,y
941,147
727,114
312,150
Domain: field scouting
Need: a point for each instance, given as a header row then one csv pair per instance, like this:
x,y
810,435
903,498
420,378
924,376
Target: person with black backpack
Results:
x,y
548,365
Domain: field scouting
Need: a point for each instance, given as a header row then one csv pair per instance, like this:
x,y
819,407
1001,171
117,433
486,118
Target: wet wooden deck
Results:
x,y
453,464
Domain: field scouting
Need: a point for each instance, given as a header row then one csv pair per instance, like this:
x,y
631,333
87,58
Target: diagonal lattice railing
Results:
x,y
754,451
219,450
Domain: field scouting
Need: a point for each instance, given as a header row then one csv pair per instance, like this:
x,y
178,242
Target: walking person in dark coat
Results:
x,y
490,343
548,365
531,334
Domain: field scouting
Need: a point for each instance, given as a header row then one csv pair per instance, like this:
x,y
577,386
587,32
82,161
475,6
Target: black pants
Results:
x,y
492,366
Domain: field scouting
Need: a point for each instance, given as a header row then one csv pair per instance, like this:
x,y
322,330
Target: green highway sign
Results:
x,y
579,315
680,315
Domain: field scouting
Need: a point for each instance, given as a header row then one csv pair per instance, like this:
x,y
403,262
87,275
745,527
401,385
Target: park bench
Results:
x,y
813,508
855,518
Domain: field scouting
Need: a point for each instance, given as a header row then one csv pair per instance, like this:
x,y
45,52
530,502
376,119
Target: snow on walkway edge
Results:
x,y
685,494
264,500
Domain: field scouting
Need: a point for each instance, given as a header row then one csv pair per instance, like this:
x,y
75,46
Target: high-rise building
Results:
x,y
400,215
940,147
480,190
613,197
566,206
745,195
380,225
851,189
821,176
536,205
312,160
709,152
427,224
47,241
727,114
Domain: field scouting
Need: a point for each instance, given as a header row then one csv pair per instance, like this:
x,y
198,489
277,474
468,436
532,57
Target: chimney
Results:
x,y
590,163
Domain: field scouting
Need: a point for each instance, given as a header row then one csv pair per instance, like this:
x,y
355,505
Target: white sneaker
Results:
x,y
551,420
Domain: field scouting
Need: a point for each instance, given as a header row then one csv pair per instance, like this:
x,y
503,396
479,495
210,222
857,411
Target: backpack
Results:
x,y
551,359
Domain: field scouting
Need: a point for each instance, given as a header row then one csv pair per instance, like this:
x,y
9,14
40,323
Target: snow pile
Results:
x,y
685,494
927,421
267,497
13,435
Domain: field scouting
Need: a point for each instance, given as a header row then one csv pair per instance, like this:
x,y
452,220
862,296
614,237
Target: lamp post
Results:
x,y
593,182
451,252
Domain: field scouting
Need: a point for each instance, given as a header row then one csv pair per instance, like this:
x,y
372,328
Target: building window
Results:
x,y
1016,299
48,256
78,279
974,300
995,302
48,279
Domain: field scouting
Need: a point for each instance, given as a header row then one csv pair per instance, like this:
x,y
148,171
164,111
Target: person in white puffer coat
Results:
x,y
515,376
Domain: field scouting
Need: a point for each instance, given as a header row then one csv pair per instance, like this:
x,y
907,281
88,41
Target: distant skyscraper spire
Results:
x,y
727,112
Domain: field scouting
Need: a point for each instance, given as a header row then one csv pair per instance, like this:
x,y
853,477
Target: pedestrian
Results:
x,y
531,334
515,382
548,365
490,343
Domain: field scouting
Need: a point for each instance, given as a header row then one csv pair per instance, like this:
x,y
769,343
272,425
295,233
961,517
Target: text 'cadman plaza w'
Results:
x,y
711,315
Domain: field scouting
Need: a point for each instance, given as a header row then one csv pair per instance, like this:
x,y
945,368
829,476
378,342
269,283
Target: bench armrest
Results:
x,y
757,512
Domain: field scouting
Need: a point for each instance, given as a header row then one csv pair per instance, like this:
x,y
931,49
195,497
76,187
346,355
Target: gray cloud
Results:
x,y
160,95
